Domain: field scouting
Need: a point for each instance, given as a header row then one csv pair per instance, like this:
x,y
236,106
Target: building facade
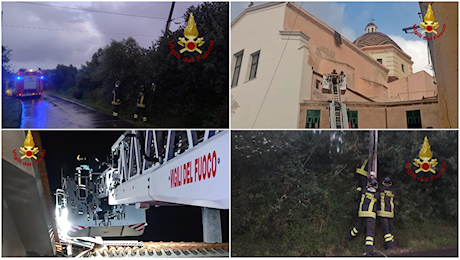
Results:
x,y
278,66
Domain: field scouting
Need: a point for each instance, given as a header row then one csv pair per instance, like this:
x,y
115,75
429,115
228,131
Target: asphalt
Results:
x,y
51,111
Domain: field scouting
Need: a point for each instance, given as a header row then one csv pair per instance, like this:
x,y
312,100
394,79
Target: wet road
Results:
x,y
51,111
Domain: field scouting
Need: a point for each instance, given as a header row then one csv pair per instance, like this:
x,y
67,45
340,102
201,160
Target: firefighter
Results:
x,y
116,99
361,175
386,212
334,76
367,213
142,99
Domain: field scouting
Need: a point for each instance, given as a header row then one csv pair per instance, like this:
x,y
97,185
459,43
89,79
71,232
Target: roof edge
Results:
x,y
331,32
255,8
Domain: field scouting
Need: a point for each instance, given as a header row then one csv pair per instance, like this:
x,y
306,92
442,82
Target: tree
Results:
x,y
196,94
7,71
297,188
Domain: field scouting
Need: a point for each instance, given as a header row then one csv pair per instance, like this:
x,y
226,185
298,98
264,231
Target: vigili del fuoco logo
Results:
x,y
191,43
425,164
29,151
429,26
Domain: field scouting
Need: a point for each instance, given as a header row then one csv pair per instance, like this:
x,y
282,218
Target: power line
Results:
x,y
73,30
96,11
273,77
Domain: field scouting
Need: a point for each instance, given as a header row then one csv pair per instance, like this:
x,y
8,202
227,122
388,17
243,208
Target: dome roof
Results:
x,y
373,39
371,23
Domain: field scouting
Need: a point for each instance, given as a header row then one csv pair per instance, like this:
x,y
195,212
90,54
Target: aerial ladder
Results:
x,y
336,84
146,168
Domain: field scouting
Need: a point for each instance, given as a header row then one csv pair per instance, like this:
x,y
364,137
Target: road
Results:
x,y
51,111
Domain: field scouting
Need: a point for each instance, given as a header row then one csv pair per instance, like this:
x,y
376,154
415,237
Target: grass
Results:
x,y
11,112
307,240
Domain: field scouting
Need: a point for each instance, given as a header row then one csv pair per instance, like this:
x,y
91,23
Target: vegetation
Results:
x,y
11,108
6,67
187,94
11,112
294,192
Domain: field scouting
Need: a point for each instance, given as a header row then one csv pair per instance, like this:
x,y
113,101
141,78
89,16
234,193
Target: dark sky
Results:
x,y
48,43
173,223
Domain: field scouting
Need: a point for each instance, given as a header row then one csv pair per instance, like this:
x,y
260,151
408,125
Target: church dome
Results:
x,y
372,38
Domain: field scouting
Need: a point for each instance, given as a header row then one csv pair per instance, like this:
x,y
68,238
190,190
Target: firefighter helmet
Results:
x,y
117,83
387,182
372,185
372,175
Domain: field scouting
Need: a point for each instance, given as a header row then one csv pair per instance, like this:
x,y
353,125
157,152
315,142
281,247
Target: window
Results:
x,y
402,67
379,60
236,72
413,119
313,117
353,119
254,63
317,84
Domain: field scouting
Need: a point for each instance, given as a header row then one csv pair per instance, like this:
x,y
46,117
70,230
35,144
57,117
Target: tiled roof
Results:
x,y
374,38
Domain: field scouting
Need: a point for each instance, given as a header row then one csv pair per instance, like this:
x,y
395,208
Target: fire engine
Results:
x,y
147,168
28,83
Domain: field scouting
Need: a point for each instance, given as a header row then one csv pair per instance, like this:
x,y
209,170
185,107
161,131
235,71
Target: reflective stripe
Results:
x,y
392,206
370,238
144,119
353,234
392,238
366,214
371,205
388,239
382,201
356,231
361,170
359,189
369,243
387,235
115,114
136,115
385,214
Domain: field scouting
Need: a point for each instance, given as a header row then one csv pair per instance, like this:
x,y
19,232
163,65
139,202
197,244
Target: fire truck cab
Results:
x,y
28,83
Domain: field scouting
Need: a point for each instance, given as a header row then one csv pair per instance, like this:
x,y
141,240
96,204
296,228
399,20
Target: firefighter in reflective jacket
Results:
x,y
361,175
386,212
142,100
367,213
116,99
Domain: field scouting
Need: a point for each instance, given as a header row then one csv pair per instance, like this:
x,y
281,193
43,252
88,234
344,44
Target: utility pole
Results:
x,y
168,23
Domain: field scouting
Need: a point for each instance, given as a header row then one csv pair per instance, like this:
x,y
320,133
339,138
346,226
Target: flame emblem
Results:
x,y
29,150
425,155
429,25
191,32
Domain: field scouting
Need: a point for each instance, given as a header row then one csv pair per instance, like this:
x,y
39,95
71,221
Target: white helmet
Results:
x,y
373,175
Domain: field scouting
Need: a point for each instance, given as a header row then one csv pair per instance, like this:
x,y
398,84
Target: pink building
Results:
x,y
278,66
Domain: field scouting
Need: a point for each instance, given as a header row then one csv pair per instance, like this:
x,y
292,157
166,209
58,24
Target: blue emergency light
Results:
x,y
18,78
41,77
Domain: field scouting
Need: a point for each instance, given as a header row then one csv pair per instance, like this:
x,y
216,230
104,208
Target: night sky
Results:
x,y
172,223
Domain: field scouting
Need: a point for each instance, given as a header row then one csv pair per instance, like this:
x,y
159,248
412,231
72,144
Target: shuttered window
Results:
x,y
353,118
414,120
313,117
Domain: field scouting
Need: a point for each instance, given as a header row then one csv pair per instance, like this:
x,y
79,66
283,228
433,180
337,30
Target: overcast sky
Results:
x,y
350,19
46,48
